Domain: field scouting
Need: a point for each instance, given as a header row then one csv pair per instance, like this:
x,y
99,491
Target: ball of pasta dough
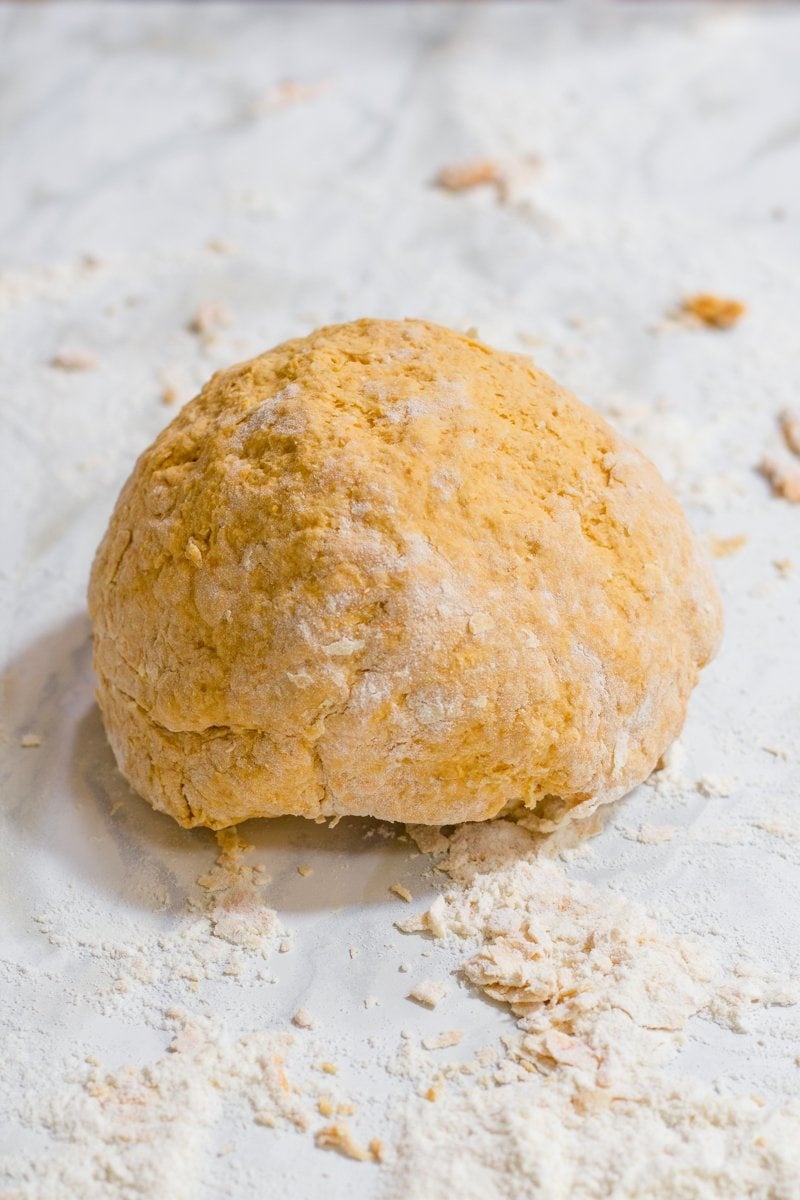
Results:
x,y
387,570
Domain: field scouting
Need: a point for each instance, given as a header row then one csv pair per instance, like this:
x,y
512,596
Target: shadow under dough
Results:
x,y
69,801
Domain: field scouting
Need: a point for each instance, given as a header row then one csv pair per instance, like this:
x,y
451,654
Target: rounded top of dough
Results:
x,y
385,569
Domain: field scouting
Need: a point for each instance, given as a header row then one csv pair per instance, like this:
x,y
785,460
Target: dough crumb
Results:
x,y
220,245
714,786
339,1138
449,1037
303,1019
784,567
461,177
208,320
724,547
717,312
401,891
428,992
370,1001
29,741
783,479
789,421
286,93
428,838
305,871
655,835
75,360
377,1150
177,385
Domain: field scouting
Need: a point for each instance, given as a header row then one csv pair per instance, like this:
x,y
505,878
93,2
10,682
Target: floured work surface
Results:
x,y
185,1015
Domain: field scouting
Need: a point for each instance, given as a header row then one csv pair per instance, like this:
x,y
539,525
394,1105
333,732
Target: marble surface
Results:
x,y
153,167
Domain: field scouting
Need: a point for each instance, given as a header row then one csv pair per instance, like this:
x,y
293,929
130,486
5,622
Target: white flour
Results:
x,y
132,1133
602,997
574,1104
228,932
548,1139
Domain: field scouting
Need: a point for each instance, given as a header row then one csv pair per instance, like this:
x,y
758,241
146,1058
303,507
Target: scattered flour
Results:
x,y
651,835
555,1139
228,932
143,1132
574,1103
751,988
580,1109
589,976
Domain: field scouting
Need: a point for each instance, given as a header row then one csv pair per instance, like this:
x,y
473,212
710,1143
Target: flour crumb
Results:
x,y
440,1041
428,839
208,320
401,891
782,478
339,1138
305,871
370,1001
669,775
286,93
221,245
428,992
303,1019
75,360
789,421
30,741
716,786
654,835
713,311
477,172
235,896
725,547
777,752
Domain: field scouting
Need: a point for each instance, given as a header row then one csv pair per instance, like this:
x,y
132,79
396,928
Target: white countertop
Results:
x,y
153,165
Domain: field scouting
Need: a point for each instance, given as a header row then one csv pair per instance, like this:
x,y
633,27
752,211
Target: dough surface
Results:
x,y
387,570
